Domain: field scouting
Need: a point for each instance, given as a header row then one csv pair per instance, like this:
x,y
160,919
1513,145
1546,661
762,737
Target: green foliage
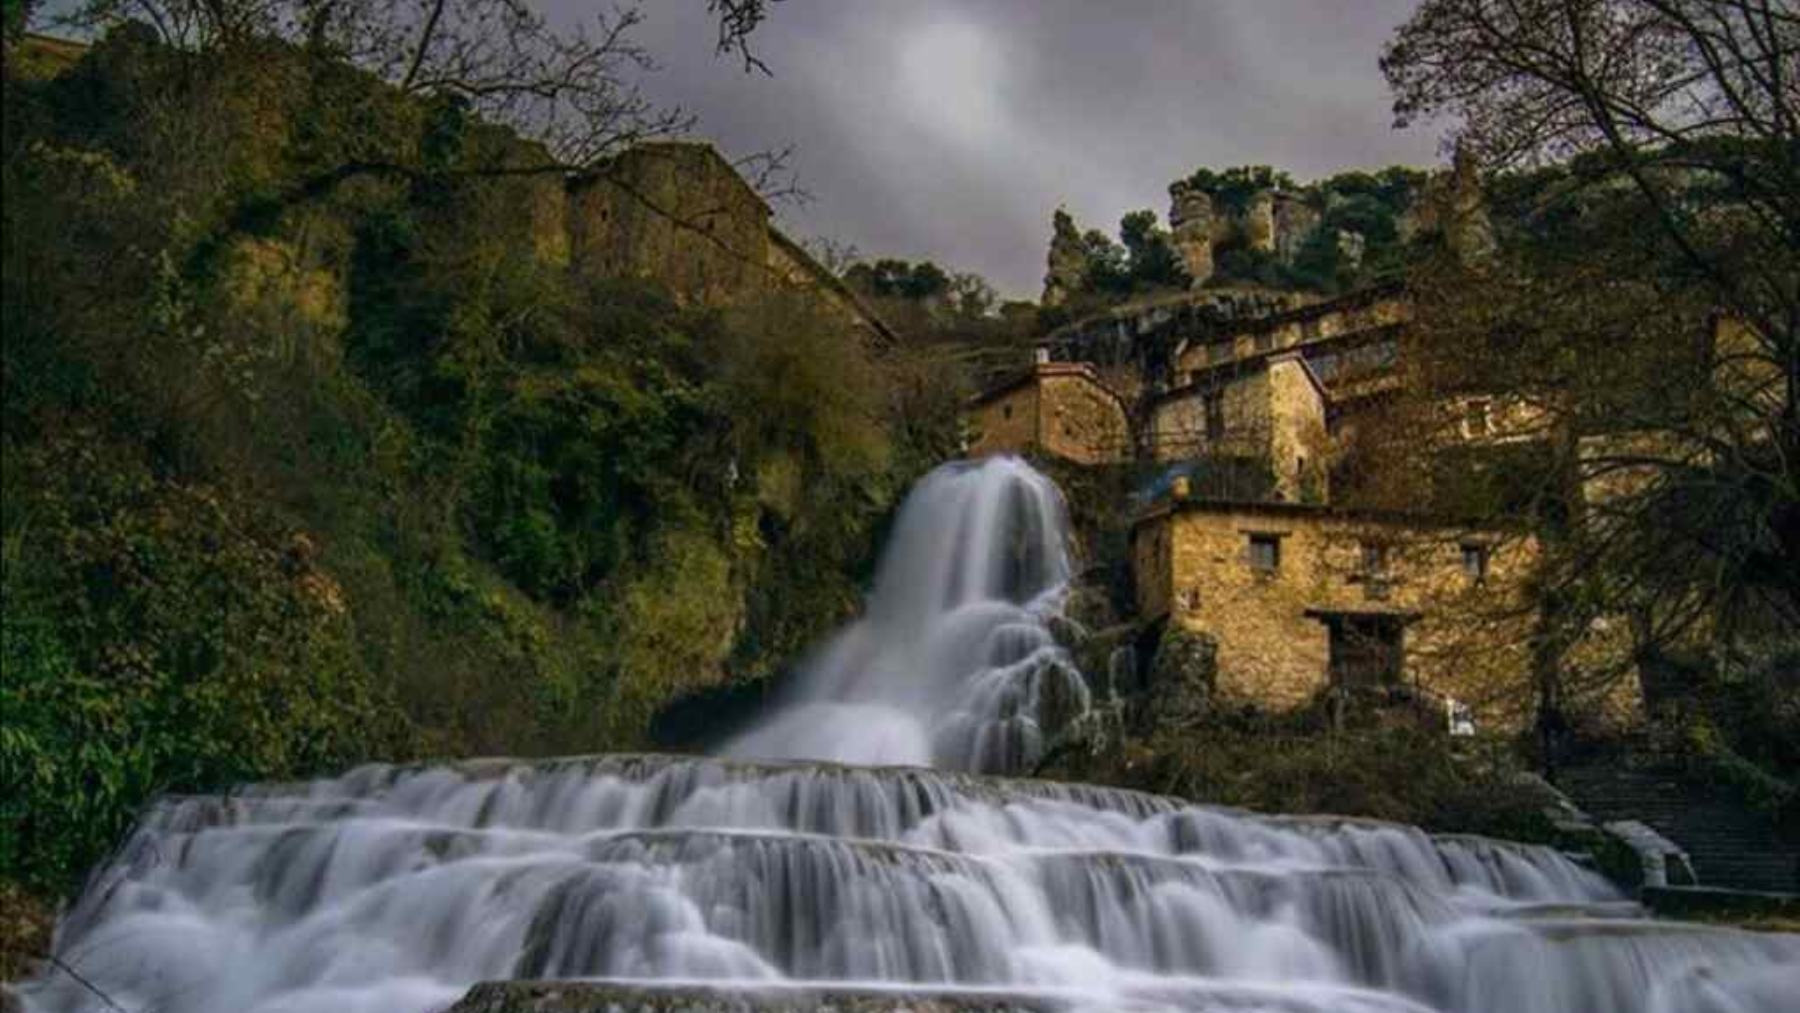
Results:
x,y
1151,252
1281,765
1232,189
1367,204
900,279
157,636
301,477
1143,259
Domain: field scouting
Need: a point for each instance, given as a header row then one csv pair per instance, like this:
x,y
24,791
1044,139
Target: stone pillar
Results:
x,y
1295,221
1191,230
1259,222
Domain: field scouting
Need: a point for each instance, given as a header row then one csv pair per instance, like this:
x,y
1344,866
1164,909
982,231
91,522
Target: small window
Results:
x,y
1265,553
1265,341
1219,351
1215,416
1006,411
1475,419
1475,562
1374,558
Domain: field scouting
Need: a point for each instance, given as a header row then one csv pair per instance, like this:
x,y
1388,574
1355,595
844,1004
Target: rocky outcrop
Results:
x,y
1191,223
604,997
1067,262
1294,221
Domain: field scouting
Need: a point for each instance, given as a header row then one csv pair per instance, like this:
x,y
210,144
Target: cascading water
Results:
x,y
953,665
393,889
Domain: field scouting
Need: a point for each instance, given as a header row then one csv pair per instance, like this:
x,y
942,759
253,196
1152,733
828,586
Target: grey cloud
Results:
x,y
952,130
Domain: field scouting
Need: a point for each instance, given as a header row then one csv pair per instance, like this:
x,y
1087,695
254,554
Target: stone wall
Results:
x,y
675,213
1004,422
1178,428
1304,325
1464,638
1298,451
678,213
789,264
1272,410
1058,408
1080,420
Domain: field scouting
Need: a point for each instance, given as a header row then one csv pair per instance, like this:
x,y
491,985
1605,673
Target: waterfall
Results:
x,y
953,664
393,889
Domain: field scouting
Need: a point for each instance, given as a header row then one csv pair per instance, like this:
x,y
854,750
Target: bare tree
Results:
x,y
572,89
1644,311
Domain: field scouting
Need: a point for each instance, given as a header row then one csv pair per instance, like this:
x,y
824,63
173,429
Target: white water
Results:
x,y
952,665
393,889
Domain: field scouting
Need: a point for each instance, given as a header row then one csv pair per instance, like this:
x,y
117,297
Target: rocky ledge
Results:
x,y
613,997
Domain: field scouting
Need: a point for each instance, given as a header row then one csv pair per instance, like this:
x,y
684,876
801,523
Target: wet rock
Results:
x,y
1090,606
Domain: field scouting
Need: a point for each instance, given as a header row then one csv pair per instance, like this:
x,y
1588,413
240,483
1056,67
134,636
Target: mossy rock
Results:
x,y
1183,674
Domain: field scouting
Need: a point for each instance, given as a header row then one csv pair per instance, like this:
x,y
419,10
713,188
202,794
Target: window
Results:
x,y
1006,411
1475,419
1265,341
1374,558
1219,351
1215,416
1475,562
1265,553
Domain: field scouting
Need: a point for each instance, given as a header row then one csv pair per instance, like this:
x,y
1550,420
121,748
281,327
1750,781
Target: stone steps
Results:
x,y
1729,844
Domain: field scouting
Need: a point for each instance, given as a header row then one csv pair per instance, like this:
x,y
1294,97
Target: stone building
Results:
x,y
1059,408
1243,403
678,213
1302,599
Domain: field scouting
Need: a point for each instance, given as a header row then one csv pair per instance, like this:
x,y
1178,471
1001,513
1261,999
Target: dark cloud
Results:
x,y
951,130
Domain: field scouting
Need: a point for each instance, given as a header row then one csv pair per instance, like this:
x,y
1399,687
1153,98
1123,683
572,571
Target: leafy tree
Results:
x,y
1106,264
1150,251
893,278
971,296
1232,189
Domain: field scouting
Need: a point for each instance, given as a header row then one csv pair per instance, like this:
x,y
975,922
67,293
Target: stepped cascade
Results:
x,y
396,888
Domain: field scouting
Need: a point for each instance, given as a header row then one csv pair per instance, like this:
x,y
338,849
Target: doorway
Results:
x,y
1367,651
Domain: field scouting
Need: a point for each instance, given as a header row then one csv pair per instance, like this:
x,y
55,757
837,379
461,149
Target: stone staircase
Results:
x,y
1728,844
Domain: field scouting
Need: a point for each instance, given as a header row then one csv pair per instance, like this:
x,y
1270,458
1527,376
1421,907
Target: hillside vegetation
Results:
x,y
303,469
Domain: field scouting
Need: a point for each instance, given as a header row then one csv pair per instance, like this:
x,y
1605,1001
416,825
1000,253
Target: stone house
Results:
x,y
1302,599
1270,408
1060,408
1245,414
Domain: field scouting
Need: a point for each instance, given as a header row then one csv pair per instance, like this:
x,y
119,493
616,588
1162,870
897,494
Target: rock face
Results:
x,y
1295,221
1191,223
603,997
1259,222
1182,675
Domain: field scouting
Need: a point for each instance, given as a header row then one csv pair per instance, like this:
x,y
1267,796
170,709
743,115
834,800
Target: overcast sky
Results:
x,y
952,130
